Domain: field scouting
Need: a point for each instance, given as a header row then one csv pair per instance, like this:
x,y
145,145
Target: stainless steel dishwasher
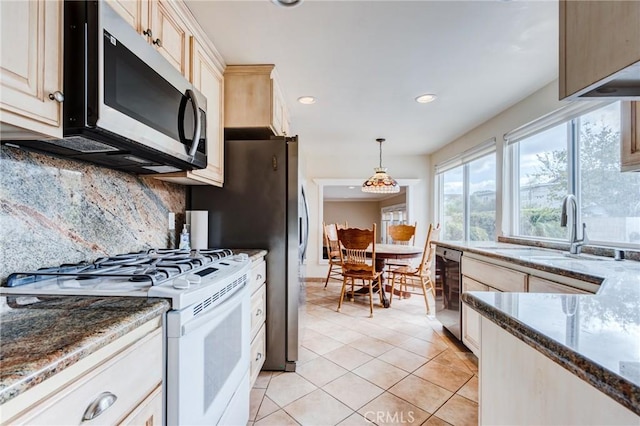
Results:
x,y
448,303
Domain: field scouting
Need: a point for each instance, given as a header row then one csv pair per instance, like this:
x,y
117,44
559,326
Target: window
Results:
x,y
578,155
392,215
467,195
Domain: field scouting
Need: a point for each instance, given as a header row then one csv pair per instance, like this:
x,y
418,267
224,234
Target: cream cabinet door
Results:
x,y
597,39
171,36
630,146
208,80
471,318
31,65
136,13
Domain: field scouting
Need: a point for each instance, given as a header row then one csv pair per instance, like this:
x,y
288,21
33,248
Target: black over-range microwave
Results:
x,y
125,106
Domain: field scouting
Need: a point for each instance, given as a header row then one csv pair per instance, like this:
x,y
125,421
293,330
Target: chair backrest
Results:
x,y
341,226
331,240
429,248
355,256
402,234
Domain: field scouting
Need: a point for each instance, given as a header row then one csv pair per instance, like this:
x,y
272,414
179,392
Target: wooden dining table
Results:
x,y
392,251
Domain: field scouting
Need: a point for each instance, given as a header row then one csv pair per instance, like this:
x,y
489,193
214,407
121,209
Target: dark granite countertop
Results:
x,y
39,337
596,337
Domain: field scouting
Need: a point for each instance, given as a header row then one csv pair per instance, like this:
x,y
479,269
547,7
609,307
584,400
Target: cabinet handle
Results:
x,y
259,356
148,32
57,96
157,42
99,405
259,277
259,312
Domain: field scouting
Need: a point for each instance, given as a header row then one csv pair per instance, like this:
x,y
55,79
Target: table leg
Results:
x,y
380,265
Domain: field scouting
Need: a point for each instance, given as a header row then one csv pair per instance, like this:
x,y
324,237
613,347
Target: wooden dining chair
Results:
x,y
333,252
410,278
357,262
404,235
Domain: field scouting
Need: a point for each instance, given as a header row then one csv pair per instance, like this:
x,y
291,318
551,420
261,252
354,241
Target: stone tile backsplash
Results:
x,y
55,211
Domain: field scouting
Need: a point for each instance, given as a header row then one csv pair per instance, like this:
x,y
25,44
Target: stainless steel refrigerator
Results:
x,y
262,206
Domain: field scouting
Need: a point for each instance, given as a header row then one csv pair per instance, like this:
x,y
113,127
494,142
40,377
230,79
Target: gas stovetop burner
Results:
x,y
154,267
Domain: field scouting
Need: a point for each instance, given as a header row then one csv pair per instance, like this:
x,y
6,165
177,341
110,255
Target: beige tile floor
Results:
x,y
398,367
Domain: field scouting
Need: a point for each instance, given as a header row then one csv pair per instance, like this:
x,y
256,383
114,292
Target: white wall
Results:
x,y
538,104
361,168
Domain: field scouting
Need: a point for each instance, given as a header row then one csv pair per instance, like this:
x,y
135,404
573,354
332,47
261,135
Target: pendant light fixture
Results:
x,y
380,182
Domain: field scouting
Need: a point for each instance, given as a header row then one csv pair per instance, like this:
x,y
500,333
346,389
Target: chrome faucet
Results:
x,y
575,246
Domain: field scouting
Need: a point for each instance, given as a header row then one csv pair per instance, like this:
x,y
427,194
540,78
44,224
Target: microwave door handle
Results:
x,y
198,122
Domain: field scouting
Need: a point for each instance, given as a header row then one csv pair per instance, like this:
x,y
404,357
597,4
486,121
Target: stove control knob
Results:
x,y
181,283
194,279
242,257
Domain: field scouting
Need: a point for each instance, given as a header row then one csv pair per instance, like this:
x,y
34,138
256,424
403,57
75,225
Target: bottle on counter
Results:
x,y
184,239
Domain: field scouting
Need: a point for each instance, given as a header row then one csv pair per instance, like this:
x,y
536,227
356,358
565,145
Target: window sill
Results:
x,y
595,250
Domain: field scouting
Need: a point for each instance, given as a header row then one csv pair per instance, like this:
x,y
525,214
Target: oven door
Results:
x,y
208,364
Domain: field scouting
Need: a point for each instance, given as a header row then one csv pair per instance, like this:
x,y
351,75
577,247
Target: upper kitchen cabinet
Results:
x,y
206,76
630,146
599,49
206,73
31,69
163,25
135,12
254,102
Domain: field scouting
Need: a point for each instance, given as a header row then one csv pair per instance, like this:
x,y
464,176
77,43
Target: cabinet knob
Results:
x,y
157,42
259,356
99,405
259,312
147,32
57,96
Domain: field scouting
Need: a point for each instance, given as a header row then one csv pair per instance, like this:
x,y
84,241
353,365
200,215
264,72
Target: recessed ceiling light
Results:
x,y
307,100
287,3
352,187
426,98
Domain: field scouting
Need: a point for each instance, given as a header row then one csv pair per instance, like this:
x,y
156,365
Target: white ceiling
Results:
x,y
366,61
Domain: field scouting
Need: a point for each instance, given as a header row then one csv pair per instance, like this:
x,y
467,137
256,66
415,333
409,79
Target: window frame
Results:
x,y
464,160
570,116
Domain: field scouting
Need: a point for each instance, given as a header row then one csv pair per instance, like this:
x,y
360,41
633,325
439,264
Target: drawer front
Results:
x,y
258,310
503,279
540,285
259,275
149,412
131,376
258,353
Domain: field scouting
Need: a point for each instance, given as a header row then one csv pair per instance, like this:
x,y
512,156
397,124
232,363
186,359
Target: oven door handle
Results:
x,y
195,141
216,312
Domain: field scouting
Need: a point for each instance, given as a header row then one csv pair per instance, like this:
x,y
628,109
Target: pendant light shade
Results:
x,y
380,182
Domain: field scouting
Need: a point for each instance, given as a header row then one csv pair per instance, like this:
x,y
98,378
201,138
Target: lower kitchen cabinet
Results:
x,y
258,317
471,318
520,385
119,384
480,274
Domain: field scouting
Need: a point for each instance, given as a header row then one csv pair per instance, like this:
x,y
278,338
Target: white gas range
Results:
x,y
206,330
